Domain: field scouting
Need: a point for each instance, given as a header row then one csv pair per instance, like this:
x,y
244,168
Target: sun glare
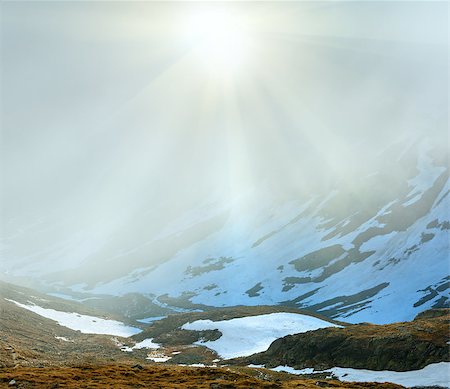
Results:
x,y
219,39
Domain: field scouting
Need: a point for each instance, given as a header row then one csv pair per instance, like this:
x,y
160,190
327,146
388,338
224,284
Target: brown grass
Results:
x,y
125,376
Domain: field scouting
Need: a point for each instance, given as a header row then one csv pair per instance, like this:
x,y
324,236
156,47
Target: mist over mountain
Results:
x,y
315,175
224,194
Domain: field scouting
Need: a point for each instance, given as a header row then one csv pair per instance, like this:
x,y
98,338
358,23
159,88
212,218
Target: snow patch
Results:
x,y
159,359
288,369
146,343
63,339
435,374
428,174
248,335
83,323
156,356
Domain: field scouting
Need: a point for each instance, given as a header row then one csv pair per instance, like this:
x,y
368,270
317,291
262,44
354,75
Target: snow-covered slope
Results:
x,y
354,253
248,335
370,247
83,323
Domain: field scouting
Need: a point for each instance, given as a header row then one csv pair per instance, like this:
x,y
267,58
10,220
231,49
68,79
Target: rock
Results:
x,y
12,382
432,313
137,366
397,346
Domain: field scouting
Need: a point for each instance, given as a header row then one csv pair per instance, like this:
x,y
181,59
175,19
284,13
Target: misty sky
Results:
x,y
112,109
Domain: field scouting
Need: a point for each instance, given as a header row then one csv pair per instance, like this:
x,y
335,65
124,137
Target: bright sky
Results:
x,y
116,109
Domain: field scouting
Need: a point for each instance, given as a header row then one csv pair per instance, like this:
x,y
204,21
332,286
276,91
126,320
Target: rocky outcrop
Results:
x,y
398,346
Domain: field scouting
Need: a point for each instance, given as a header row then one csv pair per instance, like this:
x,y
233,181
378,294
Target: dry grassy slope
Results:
x,y
28,339
26,296
168,332
155,377
32,356
398,346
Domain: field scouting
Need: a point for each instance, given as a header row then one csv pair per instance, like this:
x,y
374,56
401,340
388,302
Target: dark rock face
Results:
x,y
432,313
178,337
398,346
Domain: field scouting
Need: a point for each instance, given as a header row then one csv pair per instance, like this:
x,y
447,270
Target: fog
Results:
x,y
113,125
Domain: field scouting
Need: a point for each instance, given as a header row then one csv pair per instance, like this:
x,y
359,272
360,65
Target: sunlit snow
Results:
x,y
436,374
63,339
248,335
146,343
159,359
83,323
157,356
428,173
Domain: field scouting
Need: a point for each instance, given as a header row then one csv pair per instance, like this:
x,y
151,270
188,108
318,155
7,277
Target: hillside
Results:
x,y
327,251
30,339
224,194
172,377
38,329
398,346
167,330
47,341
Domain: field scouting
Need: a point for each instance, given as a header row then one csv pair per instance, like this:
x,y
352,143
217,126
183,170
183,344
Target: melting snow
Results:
x,y
248,335
288,369
63,339
428,173
83,323
436,374
159,359
156,356
146,343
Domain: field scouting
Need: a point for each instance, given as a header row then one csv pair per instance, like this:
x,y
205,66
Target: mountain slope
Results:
x,y
30,339
334,254
398,346
36,350
353,250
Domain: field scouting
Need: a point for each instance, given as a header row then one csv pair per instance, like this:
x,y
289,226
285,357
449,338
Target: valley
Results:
x,y
224,194
233,347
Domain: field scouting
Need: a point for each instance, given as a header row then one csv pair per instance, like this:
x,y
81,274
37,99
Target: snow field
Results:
x,y
248,335
83,323
435,374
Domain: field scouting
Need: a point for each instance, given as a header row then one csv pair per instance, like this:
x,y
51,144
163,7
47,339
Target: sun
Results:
x,y
219,39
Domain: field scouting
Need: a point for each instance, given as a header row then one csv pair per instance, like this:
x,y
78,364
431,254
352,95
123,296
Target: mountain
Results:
x,y
40,330
47,341
353,250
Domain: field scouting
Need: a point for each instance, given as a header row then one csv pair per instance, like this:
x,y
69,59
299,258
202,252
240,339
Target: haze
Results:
x,y
121,119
